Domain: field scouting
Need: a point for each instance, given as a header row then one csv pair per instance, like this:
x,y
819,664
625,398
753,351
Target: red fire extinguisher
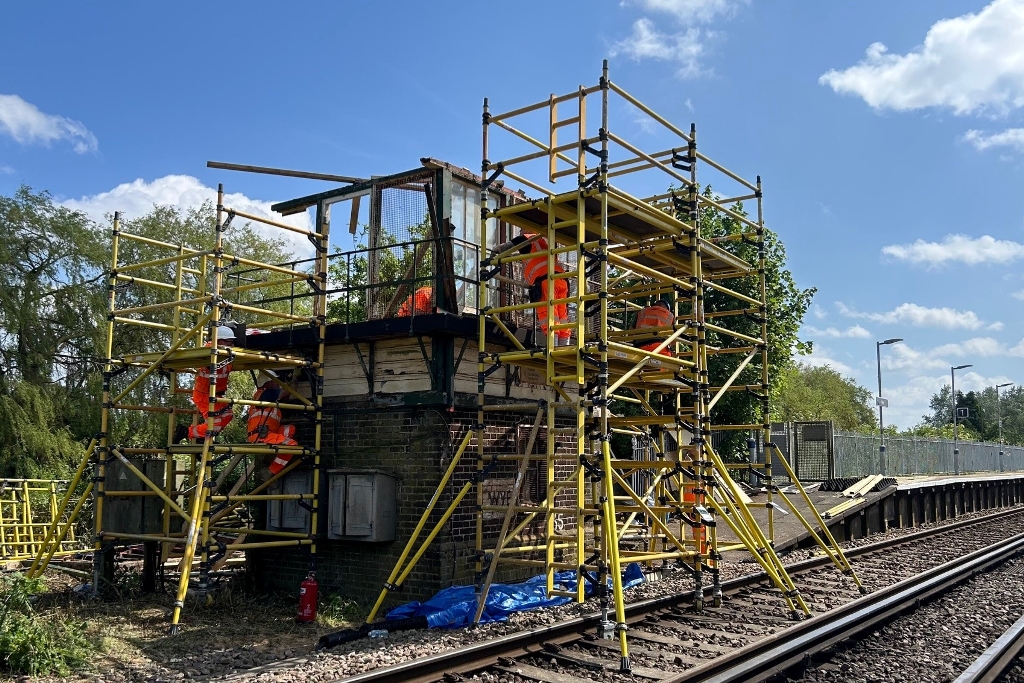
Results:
x,y
308,593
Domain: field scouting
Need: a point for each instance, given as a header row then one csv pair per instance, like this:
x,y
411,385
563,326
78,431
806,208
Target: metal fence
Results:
x,y
856,455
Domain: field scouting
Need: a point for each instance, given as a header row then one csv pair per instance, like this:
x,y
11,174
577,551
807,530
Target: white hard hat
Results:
x,y
225,333
265,376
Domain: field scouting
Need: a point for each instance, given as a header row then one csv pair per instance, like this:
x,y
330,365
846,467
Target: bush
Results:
x,y
30,642
336,610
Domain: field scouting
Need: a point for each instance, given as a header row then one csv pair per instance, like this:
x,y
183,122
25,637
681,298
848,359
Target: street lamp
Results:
x,y
952,386
999,414
881,402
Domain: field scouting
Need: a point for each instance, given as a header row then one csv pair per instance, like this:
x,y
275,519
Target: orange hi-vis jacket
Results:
x,y
537,267
653,317
222,413
264,420
201,390
264,425
421,301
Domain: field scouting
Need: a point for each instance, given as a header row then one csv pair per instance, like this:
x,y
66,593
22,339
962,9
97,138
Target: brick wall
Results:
x,y
414,444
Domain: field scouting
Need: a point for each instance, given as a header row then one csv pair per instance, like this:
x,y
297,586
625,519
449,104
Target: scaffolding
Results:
x,y
208,493
618,250
28,507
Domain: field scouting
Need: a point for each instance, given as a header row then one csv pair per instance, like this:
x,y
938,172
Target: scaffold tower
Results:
x,y
208,490
605,253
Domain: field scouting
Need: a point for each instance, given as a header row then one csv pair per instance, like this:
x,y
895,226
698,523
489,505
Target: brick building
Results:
x,y
400,393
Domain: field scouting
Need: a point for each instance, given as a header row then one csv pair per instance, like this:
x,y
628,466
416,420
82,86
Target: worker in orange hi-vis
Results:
x,y
264,423
421,301
222,413
535,272
656,315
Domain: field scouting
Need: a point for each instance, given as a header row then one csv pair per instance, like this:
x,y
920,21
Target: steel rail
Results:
x,y
486,653
998,658
784,650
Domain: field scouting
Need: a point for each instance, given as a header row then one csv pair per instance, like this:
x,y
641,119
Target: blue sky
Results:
x,y
892,173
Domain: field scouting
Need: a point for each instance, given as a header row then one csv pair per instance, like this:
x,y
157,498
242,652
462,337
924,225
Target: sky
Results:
x,y
889,136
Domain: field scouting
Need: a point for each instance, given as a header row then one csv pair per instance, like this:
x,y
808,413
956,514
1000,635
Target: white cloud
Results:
x,y
974,62
26,125
909,401
1011,137
995,327
684,47
138,198
688,11
645,123
646,42
821,358
1019,294
957,249
978,346
5,170
855,332
919,316
820,313
689,105
906,357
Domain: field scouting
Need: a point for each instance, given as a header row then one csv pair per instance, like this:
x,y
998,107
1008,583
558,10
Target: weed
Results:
x,y
34,643
336,611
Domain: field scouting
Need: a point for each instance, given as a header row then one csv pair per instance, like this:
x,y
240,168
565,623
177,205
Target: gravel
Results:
x,y
280,665
367,654
937,641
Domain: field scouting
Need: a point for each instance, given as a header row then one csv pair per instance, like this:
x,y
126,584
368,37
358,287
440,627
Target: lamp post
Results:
x,y
952,386
999,417
881,402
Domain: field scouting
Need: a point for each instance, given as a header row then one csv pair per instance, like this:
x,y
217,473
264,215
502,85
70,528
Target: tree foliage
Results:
x,y
190,229
54,265
786,305
983,414
821,393
400,269
50,296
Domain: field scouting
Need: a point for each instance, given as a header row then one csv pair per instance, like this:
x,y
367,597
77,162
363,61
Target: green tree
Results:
x,y
786,305
983,416
191,228
51,295
822,393
54,265
399,271
965,432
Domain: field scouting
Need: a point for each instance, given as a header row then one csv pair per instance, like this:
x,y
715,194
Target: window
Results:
x,y
465,247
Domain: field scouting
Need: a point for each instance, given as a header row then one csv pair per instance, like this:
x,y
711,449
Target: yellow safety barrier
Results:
x,y
28,509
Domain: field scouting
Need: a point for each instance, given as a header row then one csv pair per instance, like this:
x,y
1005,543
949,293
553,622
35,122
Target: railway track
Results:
x,y
995,662
672,643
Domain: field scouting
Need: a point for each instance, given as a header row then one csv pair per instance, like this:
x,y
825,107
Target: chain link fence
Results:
x,y
856,455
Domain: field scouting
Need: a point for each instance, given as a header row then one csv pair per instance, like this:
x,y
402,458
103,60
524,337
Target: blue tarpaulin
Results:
x,y
454,607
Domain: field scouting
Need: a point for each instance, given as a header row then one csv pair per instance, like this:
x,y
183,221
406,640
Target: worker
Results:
x,y
535,272
657,315
264,423
222,413
421,301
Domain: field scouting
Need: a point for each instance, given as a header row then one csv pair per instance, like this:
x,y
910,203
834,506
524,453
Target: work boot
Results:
x,y
525,336
180,434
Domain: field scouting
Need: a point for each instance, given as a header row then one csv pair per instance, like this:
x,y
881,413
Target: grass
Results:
x,y
37,642
336,612
128,634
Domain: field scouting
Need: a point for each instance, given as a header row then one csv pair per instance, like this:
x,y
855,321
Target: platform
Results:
x,y
913,501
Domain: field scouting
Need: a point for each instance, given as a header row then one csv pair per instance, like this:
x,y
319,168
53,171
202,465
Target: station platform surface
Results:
x,y
790,532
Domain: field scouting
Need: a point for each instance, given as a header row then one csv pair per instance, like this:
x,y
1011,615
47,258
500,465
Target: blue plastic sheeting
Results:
x,y
454,607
